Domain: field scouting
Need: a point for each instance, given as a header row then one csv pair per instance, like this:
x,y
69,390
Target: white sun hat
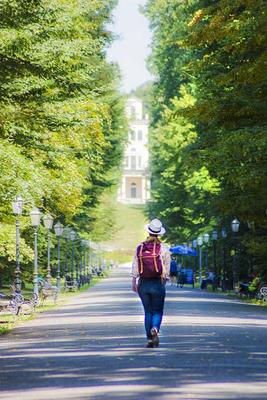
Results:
x,y
155,227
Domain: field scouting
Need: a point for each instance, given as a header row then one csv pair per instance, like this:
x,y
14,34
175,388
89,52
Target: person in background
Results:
x,y
150,270
173,271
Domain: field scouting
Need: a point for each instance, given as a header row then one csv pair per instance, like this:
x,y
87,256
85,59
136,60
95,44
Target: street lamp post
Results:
x,y
214,241
58,228
200,243
224,236
90,257
79,262
84,245
87,259
194,245
35,215
48,223
66,235
235,227
206,238
17,206
72,238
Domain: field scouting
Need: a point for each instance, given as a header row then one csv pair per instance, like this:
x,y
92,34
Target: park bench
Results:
x,y
16,304
46,291
70,285
10,304
263,292
85,279
27,306
243,290
98,271
259,292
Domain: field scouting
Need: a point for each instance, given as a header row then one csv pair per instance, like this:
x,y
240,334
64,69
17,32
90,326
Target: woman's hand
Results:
x,y
134,285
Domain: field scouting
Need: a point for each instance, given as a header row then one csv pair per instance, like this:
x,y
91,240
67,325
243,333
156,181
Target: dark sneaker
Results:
x,y
155,338
150,344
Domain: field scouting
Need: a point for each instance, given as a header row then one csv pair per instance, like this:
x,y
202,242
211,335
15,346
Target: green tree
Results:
x,y
61,117
214,51
229,38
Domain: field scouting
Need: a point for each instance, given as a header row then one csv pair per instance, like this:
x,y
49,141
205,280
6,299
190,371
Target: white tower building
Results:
x,y
135,185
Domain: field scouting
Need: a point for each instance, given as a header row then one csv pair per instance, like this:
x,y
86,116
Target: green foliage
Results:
x,y
144,92
61,118
180,192
127,231
208,155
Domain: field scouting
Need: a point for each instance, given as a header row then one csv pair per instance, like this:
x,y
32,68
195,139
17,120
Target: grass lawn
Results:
x,y
130,221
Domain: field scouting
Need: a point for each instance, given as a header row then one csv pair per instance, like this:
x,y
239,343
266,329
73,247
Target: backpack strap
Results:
x,y
140,258
155,256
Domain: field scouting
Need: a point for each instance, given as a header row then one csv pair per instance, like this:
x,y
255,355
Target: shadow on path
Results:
x,y
93,348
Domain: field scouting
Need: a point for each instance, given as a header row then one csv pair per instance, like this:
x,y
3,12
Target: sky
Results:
x,y
131,49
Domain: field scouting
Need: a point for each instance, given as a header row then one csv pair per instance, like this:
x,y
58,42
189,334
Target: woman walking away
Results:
x,y
151,266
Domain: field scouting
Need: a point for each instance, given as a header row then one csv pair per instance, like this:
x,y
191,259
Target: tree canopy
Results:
x,y
61,116
209,136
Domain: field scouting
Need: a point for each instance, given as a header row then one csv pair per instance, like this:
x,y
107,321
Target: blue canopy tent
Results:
x,y
183,251
186,275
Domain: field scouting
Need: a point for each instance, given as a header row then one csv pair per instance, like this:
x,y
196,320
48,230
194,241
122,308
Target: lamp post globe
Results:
x,y
35,215
223,233
17,206
214,235
200,240
58,228
72,235
206,238
48,221
235,225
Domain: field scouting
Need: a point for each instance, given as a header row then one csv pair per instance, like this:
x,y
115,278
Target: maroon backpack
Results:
x,y
149,260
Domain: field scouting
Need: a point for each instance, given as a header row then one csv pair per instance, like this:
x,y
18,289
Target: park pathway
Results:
x,y
92,348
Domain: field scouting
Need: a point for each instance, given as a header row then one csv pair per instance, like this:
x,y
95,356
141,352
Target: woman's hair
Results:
x,y
152,238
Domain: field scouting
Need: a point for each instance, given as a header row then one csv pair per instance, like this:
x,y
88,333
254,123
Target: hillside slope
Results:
x,y
130,221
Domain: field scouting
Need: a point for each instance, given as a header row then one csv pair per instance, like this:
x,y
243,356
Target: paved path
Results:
x,y
93,348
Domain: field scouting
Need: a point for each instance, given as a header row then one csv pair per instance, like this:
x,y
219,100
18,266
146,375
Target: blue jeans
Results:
x,y
152,294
